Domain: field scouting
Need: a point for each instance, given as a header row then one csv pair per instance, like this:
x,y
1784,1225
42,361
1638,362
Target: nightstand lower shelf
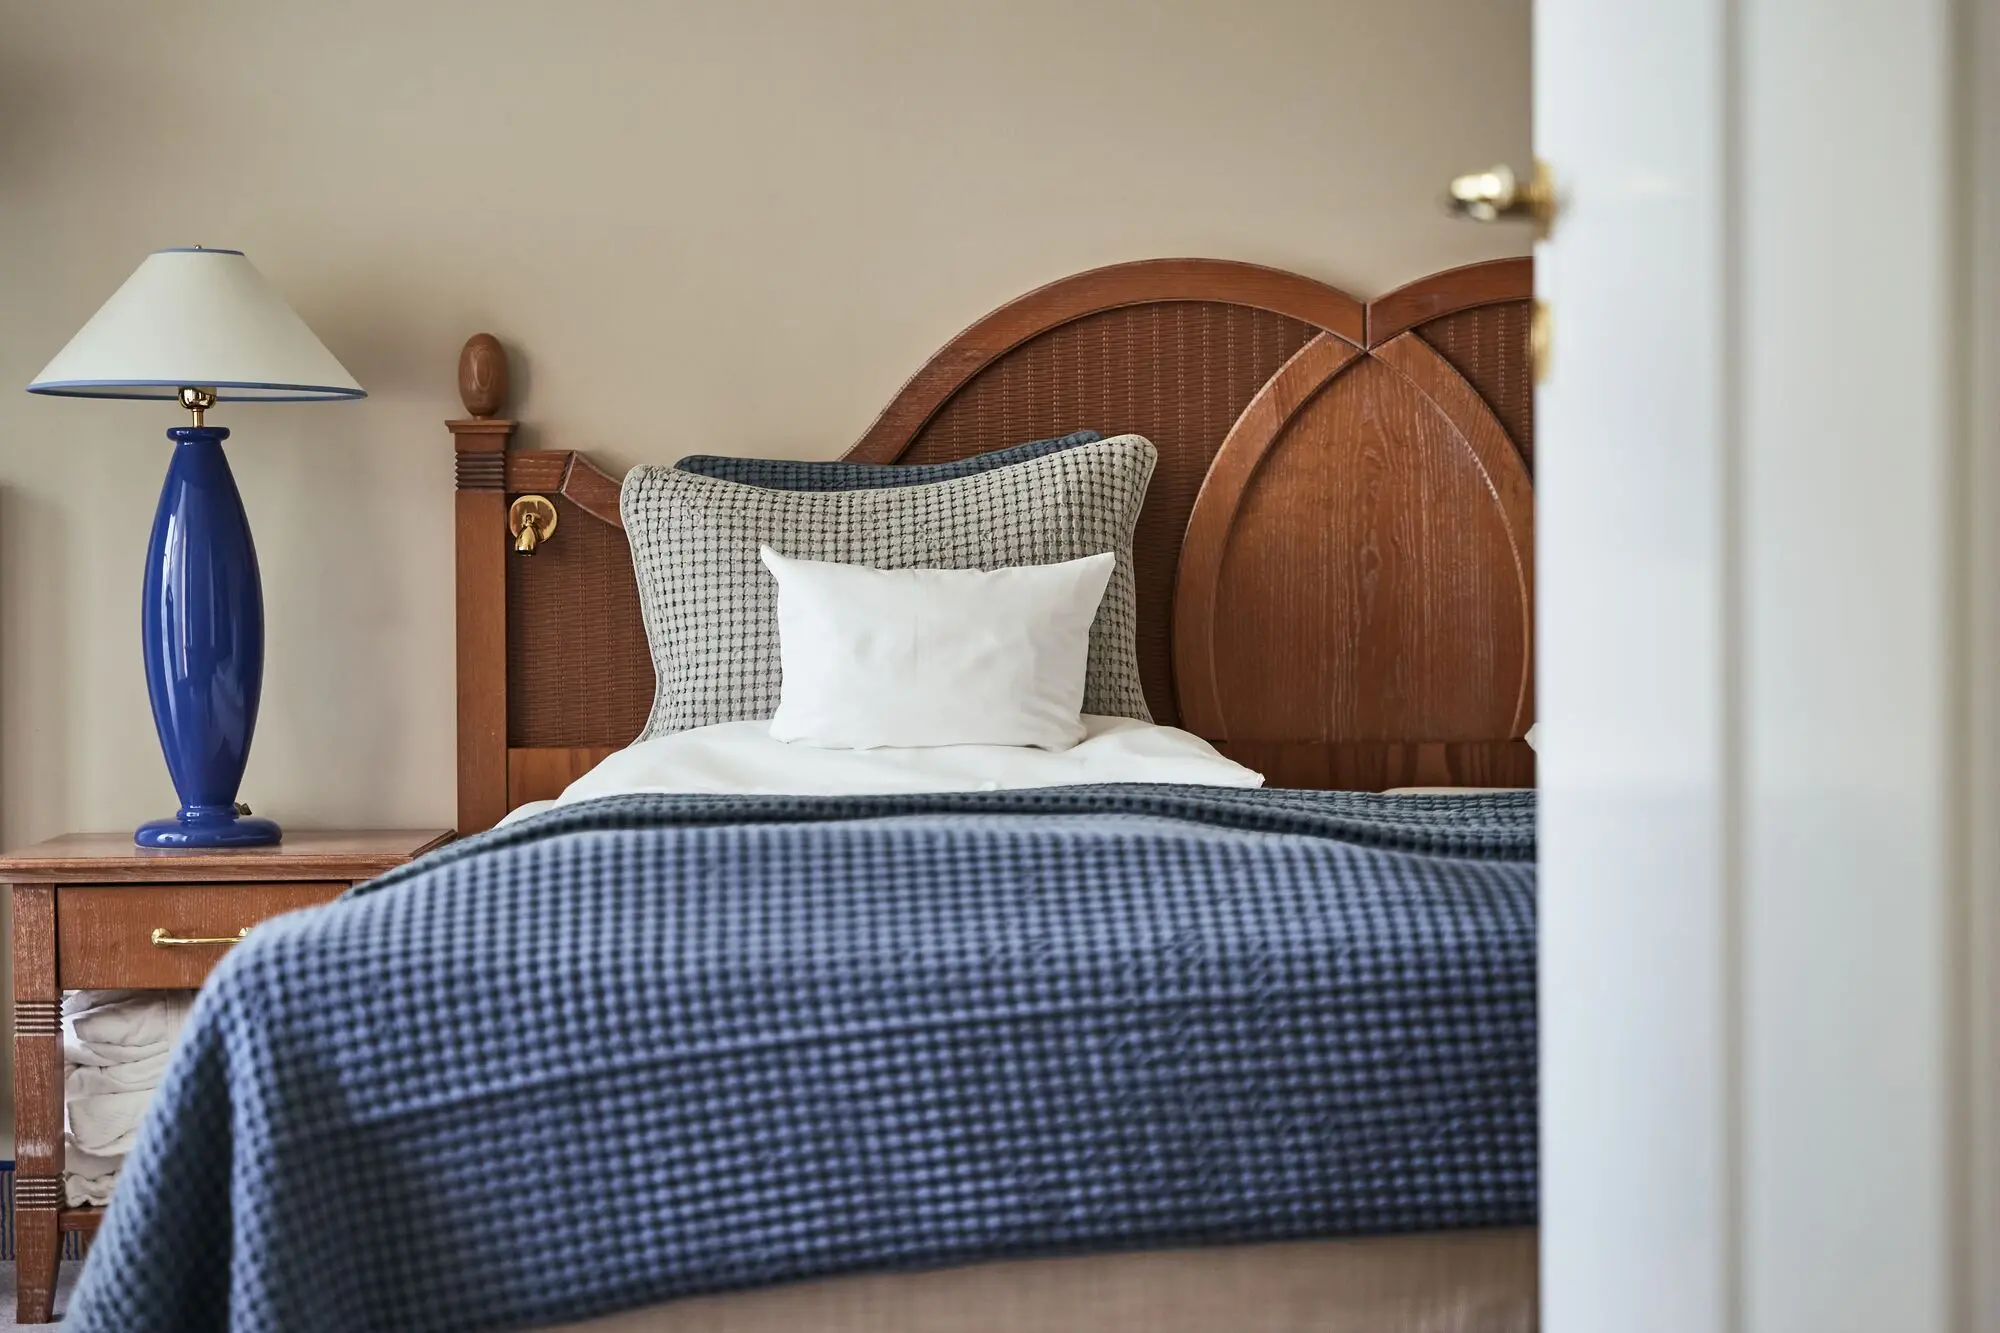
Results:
x,y
84,1219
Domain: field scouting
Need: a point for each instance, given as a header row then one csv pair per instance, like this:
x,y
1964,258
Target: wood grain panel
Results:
x,y
1380,765
323,854
535,471
1198,574
568,474
38,1102
593,491
37,1024
1495,282
104,932
482,375
1353,571
481,544
1502,472
541,773
1067,300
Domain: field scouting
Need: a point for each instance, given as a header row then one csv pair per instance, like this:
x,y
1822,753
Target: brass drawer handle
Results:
x,y
164,940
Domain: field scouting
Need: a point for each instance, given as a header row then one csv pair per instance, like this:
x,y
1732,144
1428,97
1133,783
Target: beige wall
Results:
x,y
702,226
731,225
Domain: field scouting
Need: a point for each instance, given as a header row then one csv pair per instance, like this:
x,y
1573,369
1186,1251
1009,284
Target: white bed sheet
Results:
x,y
741,758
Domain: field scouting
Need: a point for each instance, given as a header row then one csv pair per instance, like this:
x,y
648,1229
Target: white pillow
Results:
x,y
920,657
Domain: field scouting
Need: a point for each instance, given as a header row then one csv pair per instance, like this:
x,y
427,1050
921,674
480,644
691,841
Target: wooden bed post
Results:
x,y
480,444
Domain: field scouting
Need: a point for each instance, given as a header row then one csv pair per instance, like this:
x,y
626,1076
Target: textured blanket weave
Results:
x,y
646,1047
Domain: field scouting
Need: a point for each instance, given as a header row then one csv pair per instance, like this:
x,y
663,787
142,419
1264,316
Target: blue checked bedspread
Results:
x,y
650,1046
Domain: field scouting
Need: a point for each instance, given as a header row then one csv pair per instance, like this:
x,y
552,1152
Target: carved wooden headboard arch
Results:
x,y
1334,564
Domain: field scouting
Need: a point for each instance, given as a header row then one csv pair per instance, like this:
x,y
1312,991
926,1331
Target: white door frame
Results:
x,y
1769,644
1979,108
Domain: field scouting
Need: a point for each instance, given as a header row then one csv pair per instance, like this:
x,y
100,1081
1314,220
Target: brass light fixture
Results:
x,y
532,520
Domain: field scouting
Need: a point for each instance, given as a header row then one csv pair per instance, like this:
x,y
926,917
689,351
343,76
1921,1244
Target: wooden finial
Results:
x,y
482,375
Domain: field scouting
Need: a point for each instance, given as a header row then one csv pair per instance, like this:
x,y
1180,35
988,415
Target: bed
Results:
x,y
1334,585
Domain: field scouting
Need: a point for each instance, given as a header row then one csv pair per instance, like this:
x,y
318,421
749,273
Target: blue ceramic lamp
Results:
x,y
200,327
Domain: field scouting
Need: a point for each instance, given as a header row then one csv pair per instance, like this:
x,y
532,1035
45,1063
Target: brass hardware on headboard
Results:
x,y
532,520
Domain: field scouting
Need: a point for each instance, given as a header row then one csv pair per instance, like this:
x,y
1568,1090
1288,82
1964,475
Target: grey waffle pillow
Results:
x,y
711,609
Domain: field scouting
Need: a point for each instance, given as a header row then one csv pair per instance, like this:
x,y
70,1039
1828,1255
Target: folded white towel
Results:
x,y
94,1080
109,1056
105,1104
109,1027
80,1189
107,1124
115,1047
88,1178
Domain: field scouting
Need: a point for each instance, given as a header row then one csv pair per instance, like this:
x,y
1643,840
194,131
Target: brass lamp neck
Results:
x,y
197,401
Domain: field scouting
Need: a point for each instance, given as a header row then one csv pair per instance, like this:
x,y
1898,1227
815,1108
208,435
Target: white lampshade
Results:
x,y
197,318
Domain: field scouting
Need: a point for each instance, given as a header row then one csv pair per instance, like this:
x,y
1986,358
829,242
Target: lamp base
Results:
x,y
196,826
202,623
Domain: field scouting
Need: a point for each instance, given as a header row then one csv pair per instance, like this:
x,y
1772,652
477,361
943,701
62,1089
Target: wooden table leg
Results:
x,y
37,1253
38,1103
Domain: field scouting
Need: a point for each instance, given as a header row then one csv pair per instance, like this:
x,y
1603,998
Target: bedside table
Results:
x,y
94,912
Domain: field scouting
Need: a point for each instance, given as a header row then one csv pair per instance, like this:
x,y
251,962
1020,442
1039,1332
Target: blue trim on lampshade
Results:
x,y
195,250
301,393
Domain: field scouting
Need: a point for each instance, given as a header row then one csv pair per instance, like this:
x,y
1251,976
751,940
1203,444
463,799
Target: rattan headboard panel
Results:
x,y
1489,346
578,669
1176,372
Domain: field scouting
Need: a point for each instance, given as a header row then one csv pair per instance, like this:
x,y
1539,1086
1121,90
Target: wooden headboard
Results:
x,y
1335,562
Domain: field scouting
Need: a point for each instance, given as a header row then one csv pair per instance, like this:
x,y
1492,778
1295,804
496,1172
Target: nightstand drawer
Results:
x,y
104,934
